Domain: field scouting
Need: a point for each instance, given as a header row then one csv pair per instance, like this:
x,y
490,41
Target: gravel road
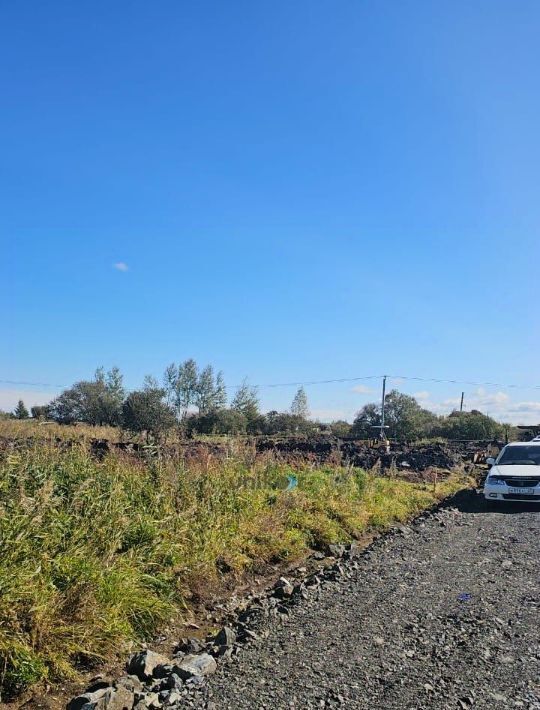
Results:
x,y
441,614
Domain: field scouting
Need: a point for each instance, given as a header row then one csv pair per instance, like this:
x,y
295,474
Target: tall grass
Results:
x,y
97,554
50,431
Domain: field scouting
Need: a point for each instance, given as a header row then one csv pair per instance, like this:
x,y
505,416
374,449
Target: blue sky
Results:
x,y
299,191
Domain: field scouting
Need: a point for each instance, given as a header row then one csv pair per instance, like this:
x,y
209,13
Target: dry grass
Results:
x,y
98,554
50,431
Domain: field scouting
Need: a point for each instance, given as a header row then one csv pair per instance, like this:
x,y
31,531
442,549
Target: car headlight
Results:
x,y
495,481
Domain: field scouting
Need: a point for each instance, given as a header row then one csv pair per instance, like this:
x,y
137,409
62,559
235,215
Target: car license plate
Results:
x,y
522,491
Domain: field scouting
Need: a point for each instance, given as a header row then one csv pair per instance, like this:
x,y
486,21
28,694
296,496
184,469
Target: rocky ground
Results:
x,y
440,614
295,450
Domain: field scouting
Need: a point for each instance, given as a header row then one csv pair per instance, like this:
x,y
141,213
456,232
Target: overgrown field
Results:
x,y
96,554
50,431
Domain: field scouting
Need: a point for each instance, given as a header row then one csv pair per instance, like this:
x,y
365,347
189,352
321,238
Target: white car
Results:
x,y
515,474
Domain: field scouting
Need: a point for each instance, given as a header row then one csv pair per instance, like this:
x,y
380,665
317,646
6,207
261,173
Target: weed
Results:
x,y
98,554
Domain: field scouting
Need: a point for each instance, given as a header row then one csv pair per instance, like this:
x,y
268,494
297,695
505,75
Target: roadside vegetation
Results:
x,y
99,554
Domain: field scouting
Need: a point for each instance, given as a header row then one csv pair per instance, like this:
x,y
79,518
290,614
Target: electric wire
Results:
x,y
307,383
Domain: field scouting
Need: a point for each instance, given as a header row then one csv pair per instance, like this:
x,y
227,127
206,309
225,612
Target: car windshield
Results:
x,y
519,456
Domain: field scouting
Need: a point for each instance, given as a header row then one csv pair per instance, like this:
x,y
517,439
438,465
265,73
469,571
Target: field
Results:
x,y
99,554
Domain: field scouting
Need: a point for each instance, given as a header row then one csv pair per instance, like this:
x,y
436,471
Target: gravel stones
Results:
x,y
195,666
142,664
385,629
283,588
379,628
109,698
226,637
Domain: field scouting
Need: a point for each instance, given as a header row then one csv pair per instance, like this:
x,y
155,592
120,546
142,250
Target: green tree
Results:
x,y
366,420
20,411
246,401
219,421
469,425
205,394
220,392
340,428
170,379
299,406
285,423
406,419
114,382
98,401
145,411
150,383
40,411
187,383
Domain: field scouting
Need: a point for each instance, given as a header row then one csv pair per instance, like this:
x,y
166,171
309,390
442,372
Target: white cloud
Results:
x,y
519,407
498,405
361,389
424,395
121,266
9,398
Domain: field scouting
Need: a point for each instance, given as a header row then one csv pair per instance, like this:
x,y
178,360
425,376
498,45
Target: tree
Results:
x,y
40,412
285,423
299,406
187,383
340,428
20,411
220,392
246,401
114,382
219,421
469,425
150,383
366,420
170,379
98,401
205,393
144,411
405,418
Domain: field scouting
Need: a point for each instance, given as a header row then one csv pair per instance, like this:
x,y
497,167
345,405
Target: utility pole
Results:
x,y
381,427
461,405
383,435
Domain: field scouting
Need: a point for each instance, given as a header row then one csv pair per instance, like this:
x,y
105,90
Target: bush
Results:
x,y
340,428
40,412
145,411
469,425
221,421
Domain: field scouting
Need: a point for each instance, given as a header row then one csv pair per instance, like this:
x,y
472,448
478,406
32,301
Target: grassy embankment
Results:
x,y
95,555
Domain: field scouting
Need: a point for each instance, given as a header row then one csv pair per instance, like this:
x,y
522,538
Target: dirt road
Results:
x,y
443,614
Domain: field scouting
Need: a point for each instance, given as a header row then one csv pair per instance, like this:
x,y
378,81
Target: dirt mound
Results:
x,y
358,453
317,450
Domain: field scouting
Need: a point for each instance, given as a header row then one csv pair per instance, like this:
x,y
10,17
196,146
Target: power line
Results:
x,y
322,382
30,384
465,382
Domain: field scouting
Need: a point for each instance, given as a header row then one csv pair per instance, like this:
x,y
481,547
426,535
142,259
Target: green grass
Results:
x,y
96,555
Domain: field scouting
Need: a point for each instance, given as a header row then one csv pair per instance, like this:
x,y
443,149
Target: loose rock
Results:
x,y
142,664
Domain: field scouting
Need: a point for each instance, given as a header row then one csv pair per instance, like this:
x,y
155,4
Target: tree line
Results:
x,y
407,420
196,401
192,399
